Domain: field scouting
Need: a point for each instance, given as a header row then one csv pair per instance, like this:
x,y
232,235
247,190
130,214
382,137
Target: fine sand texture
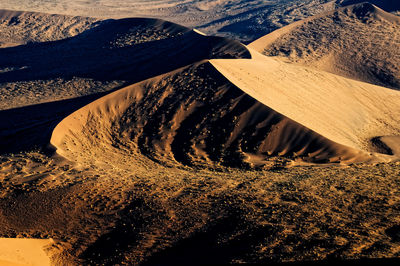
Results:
x,y
201,119
50,80
348,112
19,251
360,42
138,141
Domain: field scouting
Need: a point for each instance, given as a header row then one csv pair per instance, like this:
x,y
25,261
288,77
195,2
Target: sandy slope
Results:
x,y
19,251
113,53
345,111
192,117
361,42
172,216
196,117
103,58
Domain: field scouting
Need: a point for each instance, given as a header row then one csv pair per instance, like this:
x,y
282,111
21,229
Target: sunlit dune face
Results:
x,y
359,42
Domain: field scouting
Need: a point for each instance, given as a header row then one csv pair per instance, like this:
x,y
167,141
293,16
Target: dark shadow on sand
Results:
x,y
96,54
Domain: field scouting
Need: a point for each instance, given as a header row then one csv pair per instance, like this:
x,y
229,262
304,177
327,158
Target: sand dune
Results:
x,y
158,128
359,42
345,111
131,48
193,117
111,54
196,117
387,5
104,58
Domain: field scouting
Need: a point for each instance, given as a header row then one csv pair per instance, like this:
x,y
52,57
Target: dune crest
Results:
x,y
112,54
387,5
196,117
343,110
360,42
239,114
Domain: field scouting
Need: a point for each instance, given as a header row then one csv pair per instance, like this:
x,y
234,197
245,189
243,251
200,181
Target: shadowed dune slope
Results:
x,y
361,42
193,116
77,70
116,51
346,111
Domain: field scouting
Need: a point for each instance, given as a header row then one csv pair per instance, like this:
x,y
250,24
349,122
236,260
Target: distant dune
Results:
x,y
361,42
17,27
243,20
126,50
387,5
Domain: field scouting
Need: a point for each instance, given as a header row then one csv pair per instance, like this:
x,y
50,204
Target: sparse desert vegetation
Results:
x,y
160,215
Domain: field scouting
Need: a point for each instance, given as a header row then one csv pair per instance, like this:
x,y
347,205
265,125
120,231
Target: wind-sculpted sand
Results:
x,y
192,117
142,142
195,116
360,42
348,112
104,58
